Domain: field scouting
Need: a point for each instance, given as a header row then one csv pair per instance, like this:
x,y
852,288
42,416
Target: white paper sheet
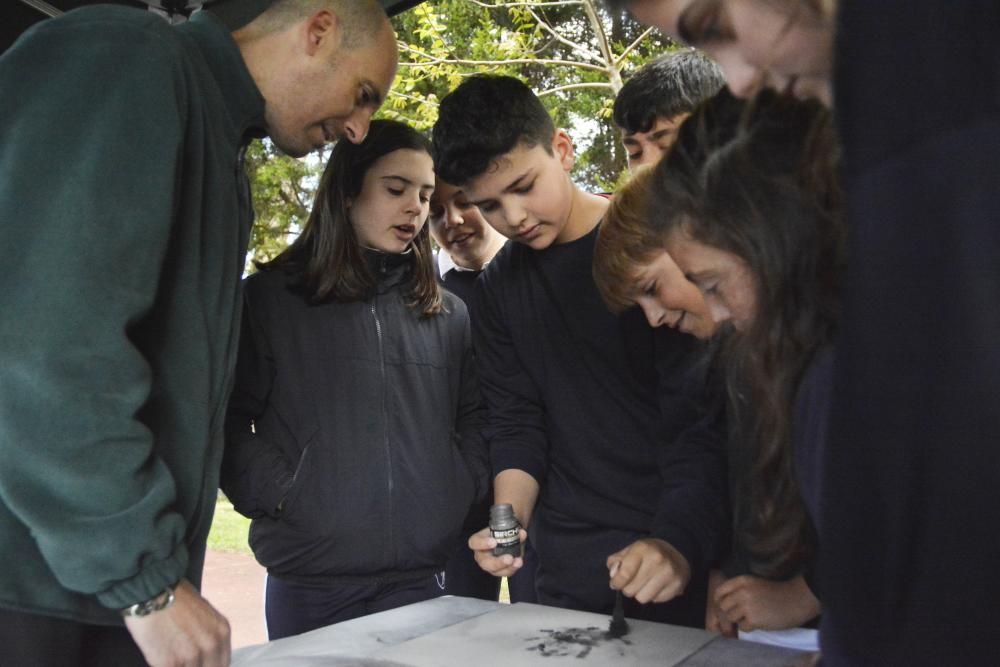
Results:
x,y
527,634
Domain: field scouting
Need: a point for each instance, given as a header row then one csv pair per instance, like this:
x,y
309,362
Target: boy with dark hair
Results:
x,y
658,97
592,440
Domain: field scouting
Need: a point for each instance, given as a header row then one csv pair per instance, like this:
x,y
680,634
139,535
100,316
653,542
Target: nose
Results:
x,y
413,205
516,216
720,313
742,78
452,216
745,81
356,127
654,314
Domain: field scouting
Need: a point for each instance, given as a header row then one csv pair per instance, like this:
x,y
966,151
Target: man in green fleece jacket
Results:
x,y
124,218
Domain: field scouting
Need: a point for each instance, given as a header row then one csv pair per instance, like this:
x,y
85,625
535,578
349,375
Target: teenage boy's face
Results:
x,y
668,298
725,281
392,206
526,194
459,228
646,148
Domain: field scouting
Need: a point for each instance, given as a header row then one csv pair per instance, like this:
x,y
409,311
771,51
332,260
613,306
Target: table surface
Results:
x,y
360,641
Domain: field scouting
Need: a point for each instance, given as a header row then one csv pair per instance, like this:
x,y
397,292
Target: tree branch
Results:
x,y
414,98
579,48
602,44
552,3
631,47
461,61
572,86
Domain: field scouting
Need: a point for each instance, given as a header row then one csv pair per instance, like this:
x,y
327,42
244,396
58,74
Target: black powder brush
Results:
x,y
618,627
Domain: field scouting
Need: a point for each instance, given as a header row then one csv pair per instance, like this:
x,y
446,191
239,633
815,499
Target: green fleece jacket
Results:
x,y
124,221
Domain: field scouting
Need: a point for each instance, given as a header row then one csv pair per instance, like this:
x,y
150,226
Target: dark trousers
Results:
x,y
44,641
464,577
292,608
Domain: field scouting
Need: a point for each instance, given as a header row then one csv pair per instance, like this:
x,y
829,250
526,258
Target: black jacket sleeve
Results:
x,y
471,418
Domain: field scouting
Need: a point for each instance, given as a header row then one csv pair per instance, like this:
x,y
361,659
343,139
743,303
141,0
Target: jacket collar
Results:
x,y
389,269
243,100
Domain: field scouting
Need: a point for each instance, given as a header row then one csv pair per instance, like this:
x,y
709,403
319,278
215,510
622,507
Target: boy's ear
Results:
x,y
562,148
322,31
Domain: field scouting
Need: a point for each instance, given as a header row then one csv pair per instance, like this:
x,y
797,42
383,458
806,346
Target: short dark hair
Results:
x,y
486,117
327,260
672,84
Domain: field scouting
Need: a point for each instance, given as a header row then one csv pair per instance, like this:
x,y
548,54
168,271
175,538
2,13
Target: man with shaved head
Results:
x,y
126,213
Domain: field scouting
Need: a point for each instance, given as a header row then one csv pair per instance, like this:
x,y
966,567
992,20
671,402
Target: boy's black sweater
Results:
x,y
462,284
601,410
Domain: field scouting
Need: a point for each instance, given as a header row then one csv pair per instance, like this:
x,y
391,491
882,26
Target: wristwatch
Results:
x,y
157,603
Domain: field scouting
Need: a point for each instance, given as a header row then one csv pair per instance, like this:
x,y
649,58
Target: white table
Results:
x,y
418,634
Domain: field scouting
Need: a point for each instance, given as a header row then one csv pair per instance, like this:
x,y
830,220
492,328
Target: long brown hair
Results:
x,y
758,179
327,259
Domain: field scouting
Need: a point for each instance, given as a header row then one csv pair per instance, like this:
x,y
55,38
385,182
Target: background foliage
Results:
x,y
573,53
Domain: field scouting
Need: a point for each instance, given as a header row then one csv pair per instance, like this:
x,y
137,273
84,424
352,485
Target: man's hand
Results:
x,y
715,620
760,604
649,570
482,544
188,632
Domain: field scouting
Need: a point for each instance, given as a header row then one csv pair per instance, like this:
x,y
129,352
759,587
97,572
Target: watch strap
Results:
x,y
147,607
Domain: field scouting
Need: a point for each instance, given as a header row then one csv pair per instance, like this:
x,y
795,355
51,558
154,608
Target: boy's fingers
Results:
x,y
482,540
615,558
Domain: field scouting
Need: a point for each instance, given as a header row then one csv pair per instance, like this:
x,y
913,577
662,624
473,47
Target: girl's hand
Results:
x,y
753,603
715,620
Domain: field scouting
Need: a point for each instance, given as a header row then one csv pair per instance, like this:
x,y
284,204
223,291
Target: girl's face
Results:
x,y
725,281
782,44
394,200
667,297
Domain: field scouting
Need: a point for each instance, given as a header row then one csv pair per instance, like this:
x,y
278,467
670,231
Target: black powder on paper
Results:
x,y
575,642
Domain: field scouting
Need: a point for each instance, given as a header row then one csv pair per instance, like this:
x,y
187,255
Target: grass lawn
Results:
x,y
230,528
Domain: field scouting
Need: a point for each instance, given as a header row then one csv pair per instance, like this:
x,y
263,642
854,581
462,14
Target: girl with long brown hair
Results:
x,y
352,438
749,206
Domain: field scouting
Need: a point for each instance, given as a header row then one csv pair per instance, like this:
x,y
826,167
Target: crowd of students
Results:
x,y
685,389
358,429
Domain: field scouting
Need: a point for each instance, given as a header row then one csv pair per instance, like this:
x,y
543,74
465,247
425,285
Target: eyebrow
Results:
x,y
395,177
513,185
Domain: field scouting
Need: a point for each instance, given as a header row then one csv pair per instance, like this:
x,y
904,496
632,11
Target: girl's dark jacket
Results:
x,y
353,433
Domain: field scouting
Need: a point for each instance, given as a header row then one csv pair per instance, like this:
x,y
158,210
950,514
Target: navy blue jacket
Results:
x,y
353,436
910,518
